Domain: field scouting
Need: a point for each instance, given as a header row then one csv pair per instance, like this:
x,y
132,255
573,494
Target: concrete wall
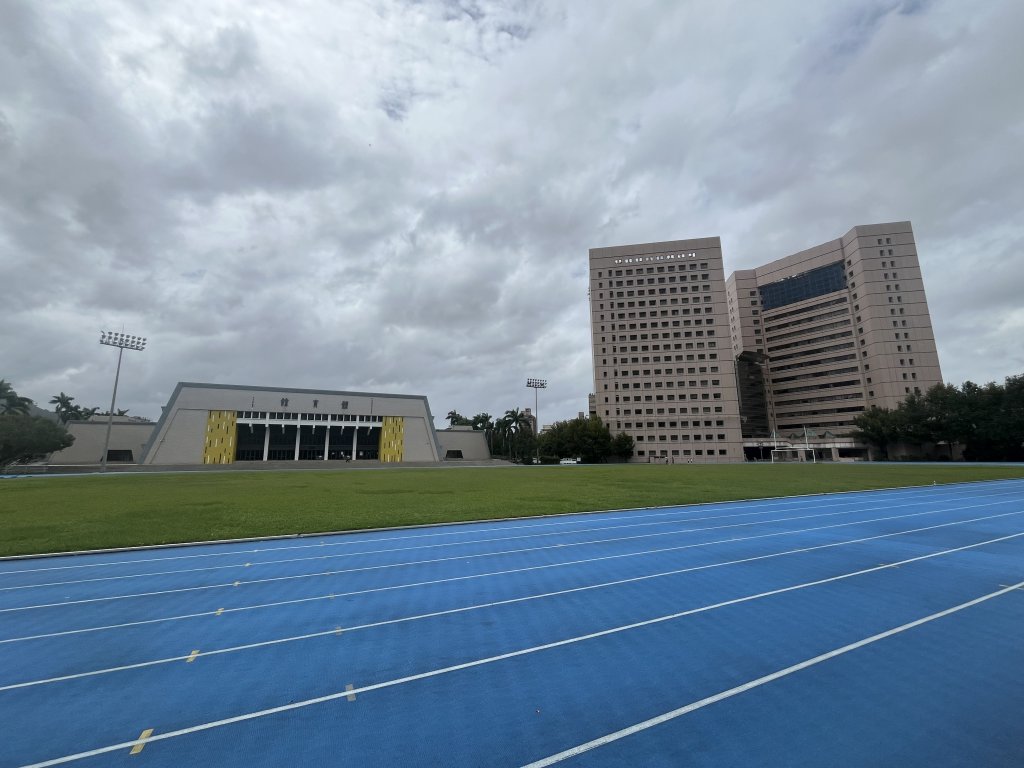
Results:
x,y
90,435
472,443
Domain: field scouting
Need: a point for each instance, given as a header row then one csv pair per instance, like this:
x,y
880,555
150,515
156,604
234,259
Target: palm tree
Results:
x,y
483,421
515,423
63,406
11,402
84,414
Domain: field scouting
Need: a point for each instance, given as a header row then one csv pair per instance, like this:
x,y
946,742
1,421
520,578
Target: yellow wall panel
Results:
x,y
392,439
219,447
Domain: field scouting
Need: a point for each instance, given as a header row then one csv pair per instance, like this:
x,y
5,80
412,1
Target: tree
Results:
x,y
587,438
456,419
482,421
878,426
11,402
515,433
28,438
64,407
622,446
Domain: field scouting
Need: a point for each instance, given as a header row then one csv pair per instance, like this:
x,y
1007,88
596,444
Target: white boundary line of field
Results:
x,y
946,498
765,679
413,563
334,631
284,537
555,644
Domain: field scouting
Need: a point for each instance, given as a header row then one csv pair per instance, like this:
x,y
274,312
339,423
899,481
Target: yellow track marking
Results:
x,y
142,740
351,696
191,657
219,612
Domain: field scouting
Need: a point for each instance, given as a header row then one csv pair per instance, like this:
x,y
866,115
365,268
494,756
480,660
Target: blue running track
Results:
x,y
883,628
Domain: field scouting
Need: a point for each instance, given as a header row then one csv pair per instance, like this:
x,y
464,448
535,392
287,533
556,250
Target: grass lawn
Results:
x,y
55,514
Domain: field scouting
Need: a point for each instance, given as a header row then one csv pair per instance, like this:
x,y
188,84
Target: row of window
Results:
x,y
697,452
814,362
815,351
816,387
677,437
661,411
822,399
664,323
664,398
668,358
670,424
816,375
816,329
659,371
671,385
659,257
290,416
810,308
668,372
845,312
806,342
824,412
655,281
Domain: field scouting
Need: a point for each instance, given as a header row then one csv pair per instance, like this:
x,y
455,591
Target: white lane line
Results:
x,y
409,563
434,546
945,490
510,601
544,647
723,695
433,582
597,529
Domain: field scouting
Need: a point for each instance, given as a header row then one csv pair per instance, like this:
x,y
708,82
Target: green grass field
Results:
x,y
57,514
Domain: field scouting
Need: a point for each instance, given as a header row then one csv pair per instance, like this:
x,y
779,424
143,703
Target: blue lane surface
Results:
x,y
505,643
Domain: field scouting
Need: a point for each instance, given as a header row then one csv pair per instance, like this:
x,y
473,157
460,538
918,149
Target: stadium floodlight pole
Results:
x,y
536,384
122,341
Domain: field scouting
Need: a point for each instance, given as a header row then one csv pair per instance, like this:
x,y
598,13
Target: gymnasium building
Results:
x,y
234,424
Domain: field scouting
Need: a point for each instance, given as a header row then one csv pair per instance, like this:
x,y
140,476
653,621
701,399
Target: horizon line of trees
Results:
x,y
512,437
988,420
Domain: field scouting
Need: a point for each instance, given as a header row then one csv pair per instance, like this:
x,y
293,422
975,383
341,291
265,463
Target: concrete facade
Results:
x,y
663,366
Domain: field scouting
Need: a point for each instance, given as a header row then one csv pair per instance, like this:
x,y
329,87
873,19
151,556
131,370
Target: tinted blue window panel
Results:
x,y
815,282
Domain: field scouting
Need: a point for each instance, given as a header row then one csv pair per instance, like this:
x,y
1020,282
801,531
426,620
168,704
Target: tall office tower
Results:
x,y
835,329
663,365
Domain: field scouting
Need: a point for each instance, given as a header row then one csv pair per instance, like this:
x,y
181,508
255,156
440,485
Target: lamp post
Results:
x,y
536,384
122,341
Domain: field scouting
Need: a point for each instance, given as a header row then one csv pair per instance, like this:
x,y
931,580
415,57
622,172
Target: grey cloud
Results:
x,y
411,209
231,52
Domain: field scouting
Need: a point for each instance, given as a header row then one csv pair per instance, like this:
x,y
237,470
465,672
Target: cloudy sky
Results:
x,y
399,195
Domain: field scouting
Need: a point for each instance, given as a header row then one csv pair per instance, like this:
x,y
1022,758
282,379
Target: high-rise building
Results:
x,y
815,338
663,366
842,326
